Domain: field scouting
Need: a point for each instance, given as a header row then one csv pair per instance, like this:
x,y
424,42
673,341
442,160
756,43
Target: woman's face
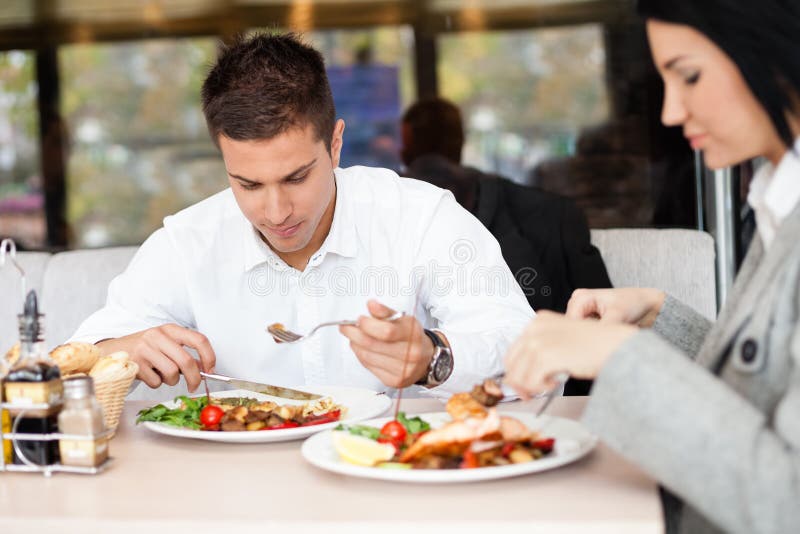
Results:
x,y
704,92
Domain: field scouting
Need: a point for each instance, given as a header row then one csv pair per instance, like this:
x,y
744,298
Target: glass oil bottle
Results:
x,y
33,390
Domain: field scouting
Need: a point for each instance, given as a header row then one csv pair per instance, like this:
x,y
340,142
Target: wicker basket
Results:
x,y
111,396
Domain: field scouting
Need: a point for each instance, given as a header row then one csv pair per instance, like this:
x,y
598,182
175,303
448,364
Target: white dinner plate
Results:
x,y
359,403
573,442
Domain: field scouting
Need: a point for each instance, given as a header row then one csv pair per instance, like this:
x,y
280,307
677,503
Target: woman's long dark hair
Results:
x,y
761,36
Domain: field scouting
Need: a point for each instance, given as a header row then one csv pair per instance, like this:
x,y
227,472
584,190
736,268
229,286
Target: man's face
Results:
x,y
285,185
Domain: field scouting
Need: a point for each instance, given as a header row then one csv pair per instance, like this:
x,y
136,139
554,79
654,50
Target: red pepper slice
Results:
x,y
507,448
285,424
320,421
470,460
544,445
330,417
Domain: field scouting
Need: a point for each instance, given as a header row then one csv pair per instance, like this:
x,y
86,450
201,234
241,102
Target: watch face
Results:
x,y
443,367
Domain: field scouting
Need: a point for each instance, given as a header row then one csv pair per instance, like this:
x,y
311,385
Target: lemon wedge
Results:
x,y
358,450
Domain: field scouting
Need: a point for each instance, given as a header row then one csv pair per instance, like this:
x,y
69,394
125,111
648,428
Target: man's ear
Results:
x,y
336,142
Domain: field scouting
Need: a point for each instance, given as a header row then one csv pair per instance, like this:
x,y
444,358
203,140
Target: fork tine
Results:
x,y
281,338
282,335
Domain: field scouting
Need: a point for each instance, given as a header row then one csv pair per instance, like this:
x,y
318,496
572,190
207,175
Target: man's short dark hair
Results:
x,y
266,84
435,128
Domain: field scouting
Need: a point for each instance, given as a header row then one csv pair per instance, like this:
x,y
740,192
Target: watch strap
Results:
x,y
438,346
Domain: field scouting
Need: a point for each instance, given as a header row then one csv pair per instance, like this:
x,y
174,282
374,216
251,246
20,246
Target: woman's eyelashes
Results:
x,y
693,78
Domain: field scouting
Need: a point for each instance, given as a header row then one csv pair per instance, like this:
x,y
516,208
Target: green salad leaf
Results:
x,y
361,430
414,425
186,415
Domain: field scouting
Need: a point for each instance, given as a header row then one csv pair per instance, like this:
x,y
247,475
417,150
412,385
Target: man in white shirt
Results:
x,y
299,241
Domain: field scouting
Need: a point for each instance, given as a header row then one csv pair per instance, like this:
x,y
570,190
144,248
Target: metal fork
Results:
x,y
282,335
559,378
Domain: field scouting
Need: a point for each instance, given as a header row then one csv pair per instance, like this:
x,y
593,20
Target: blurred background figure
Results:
x,y
543,236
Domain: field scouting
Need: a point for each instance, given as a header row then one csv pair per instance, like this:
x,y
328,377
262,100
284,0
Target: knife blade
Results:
x,y
266,389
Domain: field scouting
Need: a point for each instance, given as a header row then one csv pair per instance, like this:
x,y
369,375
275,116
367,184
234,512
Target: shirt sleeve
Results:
x,y
682,326
701,439
149,293
471,295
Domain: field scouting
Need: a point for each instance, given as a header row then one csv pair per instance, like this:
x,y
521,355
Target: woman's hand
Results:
x,y
553,343
630,305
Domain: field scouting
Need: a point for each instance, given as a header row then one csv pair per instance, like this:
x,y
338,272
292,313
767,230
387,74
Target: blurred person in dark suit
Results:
x,y
543,237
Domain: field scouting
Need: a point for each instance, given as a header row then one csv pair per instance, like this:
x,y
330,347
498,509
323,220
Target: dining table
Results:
x,y
159,483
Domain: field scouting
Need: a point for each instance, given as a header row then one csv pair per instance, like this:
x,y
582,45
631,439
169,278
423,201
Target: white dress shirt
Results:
x,y
774,193
207,269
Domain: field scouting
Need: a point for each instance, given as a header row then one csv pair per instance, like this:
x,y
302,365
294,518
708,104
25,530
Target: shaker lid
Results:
x,y
78,387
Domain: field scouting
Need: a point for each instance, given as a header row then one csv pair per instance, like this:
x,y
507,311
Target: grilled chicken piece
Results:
x,y
230,424
239,413
488,394
254,416
463,406
514,430
289,411
453,438
266,406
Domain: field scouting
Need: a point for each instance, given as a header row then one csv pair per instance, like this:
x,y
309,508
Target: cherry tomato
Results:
x,y
394,431
210,417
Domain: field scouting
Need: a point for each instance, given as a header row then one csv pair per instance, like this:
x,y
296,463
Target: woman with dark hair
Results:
x,y
711,411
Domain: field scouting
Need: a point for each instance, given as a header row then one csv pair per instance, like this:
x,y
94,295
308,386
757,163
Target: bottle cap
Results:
x,y
30,321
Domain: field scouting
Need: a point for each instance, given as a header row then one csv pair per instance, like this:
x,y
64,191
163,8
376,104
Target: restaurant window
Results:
x,y
574,110
525,95
22,214
139,147
371,74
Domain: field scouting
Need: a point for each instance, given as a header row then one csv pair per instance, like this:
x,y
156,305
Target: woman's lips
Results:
x,y
697,141
285,232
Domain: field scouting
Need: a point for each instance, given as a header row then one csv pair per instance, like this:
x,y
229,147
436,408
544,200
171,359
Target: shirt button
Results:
x,y
749,350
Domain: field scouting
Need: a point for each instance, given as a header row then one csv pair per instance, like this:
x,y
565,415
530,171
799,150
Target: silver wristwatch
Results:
x,y
441,366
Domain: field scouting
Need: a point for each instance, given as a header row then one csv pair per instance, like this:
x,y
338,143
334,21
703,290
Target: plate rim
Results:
x,y
278,435
456,476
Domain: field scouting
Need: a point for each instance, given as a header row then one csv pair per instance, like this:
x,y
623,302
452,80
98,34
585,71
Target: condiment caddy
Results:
x,y
35,403
56,437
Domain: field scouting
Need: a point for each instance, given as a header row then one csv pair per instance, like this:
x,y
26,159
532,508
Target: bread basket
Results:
x,y
112,375
111,395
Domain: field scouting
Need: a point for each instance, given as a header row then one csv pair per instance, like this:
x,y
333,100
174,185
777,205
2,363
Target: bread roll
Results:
x,y
75,357
113,367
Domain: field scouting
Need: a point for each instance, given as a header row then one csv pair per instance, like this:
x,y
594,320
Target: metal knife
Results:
x,y
267,389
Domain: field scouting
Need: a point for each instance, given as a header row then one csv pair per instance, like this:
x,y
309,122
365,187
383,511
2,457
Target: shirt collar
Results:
x,y
783,191
775,191
341,239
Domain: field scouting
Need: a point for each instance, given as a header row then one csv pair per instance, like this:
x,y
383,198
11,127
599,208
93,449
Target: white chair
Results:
x,y
681,262
73,284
